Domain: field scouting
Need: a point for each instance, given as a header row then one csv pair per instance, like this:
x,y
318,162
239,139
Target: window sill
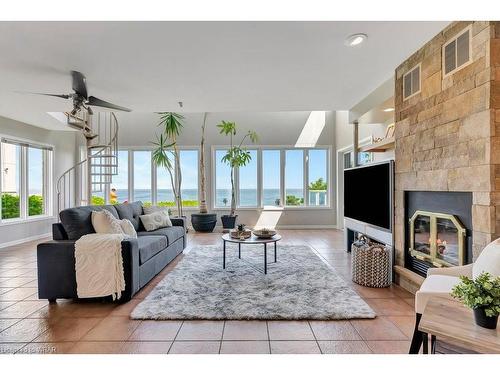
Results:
x,y
8,222
287,208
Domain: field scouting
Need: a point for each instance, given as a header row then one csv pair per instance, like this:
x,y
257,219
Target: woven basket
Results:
x,y
371,264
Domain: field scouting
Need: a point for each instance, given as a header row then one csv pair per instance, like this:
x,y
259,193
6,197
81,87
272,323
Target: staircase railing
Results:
x,y
92,174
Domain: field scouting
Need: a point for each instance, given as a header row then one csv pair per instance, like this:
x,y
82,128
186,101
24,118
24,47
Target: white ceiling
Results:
x,y
210,66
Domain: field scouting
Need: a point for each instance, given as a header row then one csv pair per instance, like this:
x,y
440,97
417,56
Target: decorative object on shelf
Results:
x,y
379,144
389,132
203,221
371,263
482,295
237,156
241,234
264,233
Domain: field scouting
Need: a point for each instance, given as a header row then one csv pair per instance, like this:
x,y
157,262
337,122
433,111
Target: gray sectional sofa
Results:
x,y
143,258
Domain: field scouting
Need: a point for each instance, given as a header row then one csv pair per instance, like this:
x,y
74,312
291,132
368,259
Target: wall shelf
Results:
x,y
381,146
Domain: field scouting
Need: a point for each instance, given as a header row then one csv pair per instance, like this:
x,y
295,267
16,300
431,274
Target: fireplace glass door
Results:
x,y
437,239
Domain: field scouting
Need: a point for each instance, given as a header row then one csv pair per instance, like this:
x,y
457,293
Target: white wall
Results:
x,y
63,157
273,128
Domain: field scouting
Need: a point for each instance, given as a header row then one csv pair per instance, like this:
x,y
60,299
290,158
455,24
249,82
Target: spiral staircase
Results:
x,y
99,162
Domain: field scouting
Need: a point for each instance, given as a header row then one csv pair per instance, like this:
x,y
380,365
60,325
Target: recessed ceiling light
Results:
x,y
355,39
389,110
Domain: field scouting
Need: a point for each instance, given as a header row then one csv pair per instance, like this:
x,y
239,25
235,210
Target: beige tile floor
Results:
x,y
30,325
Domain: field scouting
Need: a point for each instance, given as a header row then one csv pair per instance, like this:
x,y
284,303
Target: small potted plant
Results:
x,y
237,156
482,295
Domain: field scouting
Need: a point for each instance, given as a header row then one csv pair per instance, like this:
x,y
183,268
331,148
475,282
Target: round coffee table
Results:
x,y
254,240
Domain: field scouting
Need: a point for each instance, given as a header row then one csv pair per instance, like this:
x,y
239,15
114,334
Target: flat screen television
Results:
x,y
368,192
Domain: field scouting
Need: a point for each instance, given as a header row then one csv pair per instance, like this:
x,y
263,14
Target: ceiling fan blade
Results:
x,y
63,96
101,103
79,84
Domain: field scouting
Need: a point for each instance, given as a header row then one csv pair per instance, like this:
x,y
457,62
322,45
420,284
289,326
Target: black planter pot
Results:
x,y
203,222
484,321
228,221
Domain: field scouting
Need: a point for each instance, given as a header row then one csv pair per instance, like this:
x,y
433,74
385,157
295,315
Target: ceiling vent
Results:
x,y
456,52
411,82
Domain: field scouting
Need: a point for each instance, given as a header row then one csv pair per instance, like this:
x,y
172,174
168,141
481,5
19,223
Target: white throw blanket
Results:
x,y
99,265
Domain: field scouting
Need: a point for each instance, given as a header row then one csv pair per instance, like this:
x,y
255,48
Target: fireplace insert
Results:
x,y
437,238
438,229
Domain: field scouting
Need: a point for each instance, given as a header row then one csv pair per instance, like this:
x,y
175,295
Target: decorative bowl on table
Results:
x,y
264,233
240,234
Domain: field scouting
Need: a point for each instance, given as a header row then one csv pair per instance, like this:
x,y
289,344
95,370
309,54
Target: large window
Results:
x,y
25,180
294,177
276,177
36,183
222,180
189,172
142,177
318,177
98,184
248,182
164,192
119,186
271,177
151,184
11,181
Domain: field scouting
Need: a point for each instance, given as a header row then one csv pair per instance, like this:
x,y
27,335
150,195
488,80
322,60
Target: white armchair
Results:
x,y
440,281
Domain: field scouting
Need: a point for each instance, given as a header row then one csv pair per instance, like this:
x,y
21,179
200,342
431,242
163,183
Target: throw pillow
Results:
x,y
128,228
156,220
152,209
104,222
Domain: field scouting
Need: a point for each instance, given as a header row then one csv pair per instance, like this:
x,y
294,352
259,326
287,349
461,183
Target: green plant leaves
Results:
x,y
483,292
161,152
171,122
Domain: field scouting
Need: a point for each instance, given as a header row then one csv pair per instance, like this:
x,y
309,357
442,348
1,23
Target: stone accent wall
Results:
x,y
448,135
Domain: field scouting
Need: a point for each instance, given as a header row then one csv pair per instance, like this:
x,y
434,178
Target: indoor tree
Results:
x,y
165,146
236,156
203,191
203,221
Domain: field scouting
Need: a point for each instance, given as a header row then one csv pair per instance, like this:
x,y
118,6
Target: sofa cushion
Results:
x,y
149,246
171,233
131,212
77,221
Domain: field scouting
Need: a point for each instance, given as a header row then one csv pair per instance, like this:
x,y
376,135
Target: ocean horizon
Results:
x,y
248,197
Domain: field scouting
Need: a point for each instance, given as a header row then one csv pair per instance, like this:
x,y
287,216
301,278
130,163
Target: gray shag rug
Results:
x,y
299,286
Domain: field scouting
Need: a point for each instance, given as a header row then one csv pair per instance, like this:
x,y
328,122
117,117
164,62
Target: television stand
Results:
x,y
353,227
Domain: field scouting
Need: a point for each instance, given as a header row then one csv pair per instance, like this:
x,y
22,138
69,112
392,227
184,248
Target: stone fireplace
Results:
x,y
447,151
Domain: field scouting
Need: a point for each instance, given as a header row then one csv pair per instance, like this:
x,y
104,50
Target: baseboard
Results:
x,y
23,240
297,226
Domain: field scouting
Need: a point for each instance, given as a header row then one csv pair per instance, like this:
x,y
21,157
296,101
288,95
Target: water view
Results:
x,y
248,197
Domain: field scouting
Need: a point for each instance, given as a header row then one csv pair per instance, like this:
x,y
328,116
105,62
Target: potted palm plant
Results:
x,y
481,294
237,156
166,153
203,221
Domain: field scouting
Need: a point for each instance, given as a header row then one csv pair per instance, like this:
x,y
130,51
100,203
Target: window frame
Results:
x,y
454,38
154,176
47,180
410,71
283,206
